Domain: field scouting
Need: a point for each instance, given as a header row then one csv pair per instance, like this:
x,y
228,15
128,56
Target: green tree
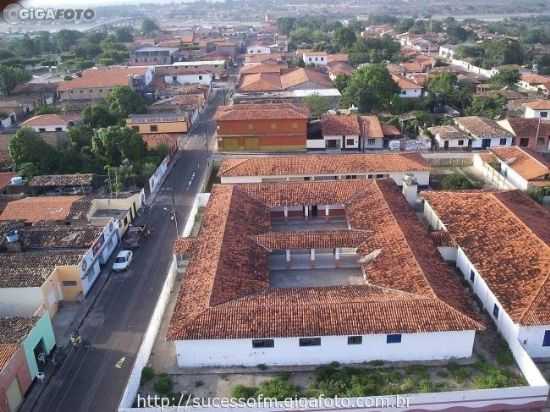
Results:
x,y
486,106
316,104
28,148
370,88
286,24
341,82
344,38
99,115
543,64
114,144
505,77
149,26
67,39
124,35
11,77
124,101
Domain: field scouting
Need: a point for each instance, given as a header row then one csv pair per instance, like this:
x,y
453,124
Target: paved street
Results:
x,y
93,379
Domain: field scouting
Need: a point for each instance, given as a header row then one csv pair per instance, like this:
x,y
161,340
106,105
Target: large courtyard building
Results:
x,y
316,272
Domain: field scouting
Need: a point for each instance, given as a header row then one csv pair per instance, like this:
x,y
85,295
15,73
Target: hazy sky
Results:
x,y
84,4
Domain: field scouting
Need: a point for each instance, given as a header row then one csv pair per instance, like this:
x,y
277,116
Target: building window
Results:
x,y
294,125
153,128
41,129
371,142
69,283
174,78
544,114
394,338
310,341
460,142
350,142
546,340
355,340
263,343
273,125
503,142
524,142
495,311
472,276
136,128
380,176
58,129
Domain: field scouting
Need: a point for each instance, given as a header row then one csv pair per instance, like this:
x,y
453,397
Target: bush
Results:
x,y
278,388
163,385
147,374
457,181
243,392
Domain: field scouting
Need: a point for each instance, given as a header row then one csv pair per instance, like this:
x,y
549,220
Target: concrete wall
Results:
x,y
42,330
491,175
161,127
16,368
202,78
20,301
531,338
237,352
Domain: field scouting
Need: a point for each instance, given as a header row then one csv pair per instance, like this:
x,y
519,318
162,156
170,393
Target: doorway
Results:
x,y
40,355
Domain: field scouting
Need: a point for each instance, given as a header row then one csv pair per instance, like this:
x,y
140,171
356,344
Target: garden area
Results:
x,y
492,366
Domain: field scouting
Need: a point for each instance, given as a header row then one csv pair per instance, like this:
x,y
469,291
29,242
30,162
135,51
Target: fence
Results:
x,y
157,177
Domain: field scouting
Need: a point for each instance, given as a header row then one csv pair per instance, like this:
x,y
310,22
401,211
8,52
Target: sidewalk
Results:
x,y
63,333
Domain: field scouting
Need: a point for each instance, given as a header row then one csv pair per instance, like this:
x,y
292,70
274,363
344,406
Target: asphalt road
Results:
x,y
93,379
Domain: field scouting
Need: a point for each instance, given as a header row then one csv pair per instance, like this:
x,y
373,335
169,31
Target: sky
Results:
x,y
84,4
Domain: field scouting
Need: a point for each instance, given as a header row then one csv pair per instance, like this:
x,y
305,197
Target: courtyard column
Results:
x,y
337,256
312,257
288,257
306,211
285,212
327,213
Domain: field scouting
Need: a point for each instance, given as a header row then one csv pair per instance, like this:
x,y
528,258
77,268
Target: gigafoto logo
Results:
x,y
15,13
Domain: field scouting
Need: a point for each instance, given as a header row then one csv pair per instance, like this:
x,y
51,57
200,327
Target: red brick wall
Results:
x,y
258,128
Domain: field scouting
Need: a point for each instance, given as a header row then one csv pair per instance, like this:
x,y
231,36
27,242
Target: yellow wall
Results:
x,y
53,286
168,127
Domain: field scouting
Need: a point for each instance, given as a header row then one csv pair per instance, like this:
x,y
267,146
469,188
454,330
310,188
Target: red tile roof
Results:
x,y
103,77
226,292
5,179
340,125
506,236
51,119
261,111
265,82
538,104
40,208
526,163
371,127
404,83
308,165
7,350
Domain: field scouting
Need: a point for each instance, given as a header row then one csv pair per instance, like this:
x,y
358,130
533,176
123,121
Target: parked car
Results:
x,y
122,260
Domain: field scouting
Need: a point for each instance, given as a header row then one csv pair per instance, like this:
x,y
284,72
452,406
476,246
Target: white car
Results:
x,y
122,260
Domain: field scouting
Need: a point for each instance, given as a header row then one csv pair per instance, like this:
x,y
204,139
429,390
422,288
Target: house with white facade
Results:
x,y
340,132
179,75
408,88
449,137
259,49
483,132
537,109
310,57
52,122
326,167
500,242
534,82
241,304
523,168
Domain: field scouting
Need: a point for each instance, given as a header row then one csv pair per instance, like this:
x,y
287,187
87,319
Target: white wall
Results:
x,y
413,347
315,144
423,178
51,128
491,175
20,301
495,142
258,50
453,143
532,113
316,60
378,143
531,338
513,177
411,93
202,78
